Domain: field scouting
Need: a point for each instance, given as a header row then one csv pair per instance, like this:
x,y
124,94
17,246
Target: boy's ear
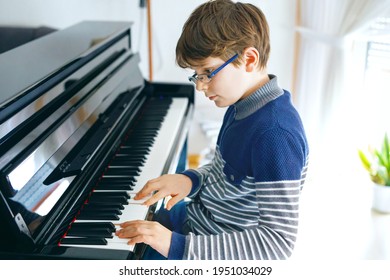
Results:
x,y
251,59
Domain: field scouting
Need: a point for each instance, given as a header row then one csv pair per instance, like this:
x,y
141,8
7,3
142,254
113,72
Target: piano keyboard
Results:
x,y
140,158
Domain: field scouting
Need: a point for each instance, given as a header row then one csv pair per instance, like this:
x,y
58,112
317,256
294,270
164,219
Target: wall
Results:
x,y
168,18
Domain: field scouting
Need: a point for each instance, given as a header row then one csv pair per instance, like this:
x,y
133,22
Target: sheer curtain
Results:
x,y
325,29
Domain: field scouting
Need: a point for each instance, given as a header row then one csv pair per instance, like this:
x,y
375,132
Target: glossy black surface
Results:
x,y
22,68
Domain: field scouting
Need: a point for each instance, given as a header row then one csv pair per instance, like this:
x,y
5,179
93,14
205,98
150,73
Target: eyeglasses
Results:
x,y
206,78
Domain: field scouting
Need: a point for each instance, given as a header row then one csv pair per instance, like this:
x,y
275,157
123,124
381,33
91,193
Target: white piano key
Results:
x,y
114,243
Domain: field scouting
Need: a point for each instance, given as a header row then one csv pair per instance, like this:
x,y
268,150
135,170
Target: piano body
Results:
x,y
81,131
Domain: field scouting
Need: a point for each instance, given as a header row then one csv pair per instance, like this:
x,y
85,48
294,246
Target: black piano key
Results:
x,y
108,181
115,175
108,200
133,155
83,241
159,118
131,150
97,216
117,181
144,133
121,156
112,184
102,196
123,161
103,207
98,225
114,187
89,232
114,204
140,140
124,166
130,168
105,210
111,194
148,126
121,172
131,147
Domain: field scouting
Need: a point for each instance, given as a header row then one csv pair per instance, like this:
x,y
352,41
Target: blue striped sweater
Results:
x,y
245,203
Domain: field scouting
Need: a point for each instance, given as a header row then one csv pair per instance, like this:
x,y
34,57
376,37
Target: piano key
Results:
x,y
104,200
143,142
124,167
98,225
140,140
119,187
90,232
102,207
128,162
119,181
98,216
99,211
131,150
107,185
83,240
120,172
111,194
117,205
113,243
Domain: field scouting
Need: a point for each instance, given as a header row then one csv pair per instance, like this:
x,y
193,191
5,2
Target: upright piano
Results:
x,y
81,131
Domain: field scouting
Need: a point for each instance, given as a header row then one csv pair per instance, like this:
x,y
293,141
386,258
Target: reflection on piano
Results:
x,y
81,132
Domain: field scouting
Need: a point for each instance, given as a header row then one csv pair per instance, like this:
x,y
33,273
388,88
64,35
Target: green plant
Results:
x,y
377,163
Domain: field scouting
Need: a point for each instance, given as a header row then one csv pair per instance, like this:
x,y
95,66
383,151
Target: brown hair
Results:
x,y
222,28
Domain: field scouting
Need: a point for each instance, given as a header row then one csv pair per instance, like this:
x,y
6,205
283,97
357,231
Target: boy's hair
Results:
x,y
222,28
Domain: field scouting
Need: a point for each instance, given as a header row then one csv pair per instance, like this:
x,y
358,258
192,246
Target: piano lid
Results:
x,y
26,67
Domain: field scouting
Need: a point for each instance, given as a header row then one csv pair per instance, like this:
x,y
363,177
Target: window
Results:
x,y
377,77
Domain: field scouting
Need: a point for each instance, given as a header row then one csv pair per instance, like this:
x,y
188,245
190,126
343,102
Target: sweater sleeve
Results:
x,y
198,177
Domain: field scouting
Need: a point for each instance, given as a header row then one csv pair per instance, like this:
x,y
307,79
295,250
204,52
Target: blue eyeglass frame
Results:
x,y
194,78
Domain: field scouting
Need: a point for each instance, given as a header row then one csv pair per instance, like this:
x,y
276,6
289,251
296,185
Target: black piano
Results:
x,y
81,131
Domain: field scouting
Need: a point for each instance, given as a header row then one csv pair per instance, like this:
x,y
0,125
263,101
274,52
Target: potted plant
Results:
x,y
377,163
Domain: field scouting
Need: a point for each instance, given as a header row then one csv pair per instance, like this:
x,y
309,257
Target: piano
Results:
x,y
81,131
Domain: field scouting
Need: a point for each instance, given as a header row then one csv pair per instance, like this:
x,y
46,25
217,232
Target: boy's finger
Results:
x,y
146,190
156,197
172,202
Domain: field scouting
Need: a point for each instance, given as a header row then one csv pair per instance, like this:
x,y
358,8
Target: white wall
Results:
x,y
168,18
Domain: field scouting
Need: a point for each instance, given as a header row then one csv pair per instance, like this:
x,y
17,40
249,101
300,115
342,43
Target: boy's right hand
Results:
x,y
177,186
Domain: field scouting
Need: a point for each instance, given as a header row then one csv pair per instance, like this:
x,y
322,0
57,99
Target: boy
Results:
x,y
244,204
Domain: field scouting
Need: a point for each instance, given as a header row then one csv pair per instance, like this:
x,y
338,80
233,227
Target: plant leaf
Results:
x,y
366,163
386,152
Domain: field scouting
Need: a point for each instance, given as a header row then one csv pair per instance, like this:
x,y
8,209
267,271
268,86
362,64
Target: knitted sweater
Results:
x,y
245,203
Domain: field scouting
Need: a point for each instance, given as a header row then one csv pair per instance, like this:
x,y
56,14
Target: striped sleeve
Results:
x,y
272,239
198,177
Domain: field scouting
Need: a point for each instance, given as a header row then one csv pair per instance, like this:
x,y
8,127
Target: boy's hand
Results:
x,y
151,233
177,186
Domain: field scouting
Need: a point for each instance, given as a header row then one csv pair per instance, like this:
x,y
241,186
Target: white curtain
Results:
x,y
325,28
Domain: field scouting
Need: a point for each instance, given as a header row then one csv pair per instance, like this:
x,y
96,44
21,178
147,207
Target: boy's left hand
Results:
x,y
152,233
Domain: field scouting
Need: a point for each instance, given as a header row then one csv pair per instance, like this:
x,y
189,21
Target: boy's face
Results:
x,y
227,86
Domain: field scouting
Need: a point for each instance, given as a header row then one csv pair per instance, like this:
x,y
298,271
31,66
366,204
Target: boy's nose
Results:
x,y
200,86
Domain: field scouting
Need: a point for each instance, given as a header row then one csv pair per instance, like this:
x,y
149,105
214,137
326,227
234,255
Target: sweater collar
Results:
x,y
258,99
